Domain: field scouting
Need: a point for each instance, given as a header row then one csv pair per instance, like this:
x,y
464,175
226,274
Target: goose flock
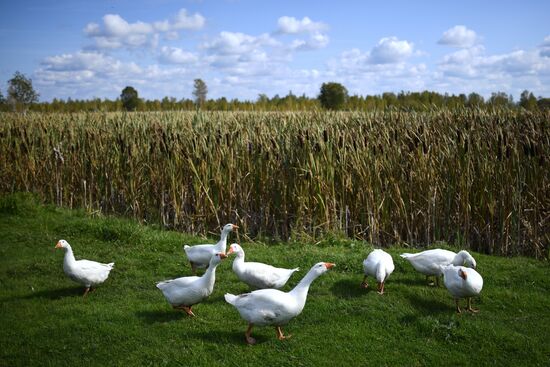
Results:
x,y
266,305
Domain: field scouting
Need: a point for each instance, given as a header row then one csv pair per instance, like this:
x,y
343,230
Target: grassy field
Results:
x,y
45,321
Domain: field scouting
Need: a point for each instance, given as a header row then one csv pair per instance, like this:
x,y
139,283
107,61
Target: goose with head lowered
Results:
x,y
258,275
429,262
185,292
86,272
378,264
199,255
273,307
462,282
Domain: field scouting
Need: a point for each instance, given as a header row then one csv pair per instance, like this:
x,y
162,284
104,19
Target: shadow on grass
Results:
x,y
226,336
57,293
428,305
348,289
153,317
417,281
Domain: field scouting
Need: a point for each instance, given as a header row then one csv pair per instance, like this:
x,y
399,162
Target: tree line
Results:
x,y
21,96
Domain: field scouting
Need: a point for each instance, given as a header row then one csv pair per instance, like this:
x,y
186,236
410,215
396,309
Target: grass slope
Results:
x,y
45,321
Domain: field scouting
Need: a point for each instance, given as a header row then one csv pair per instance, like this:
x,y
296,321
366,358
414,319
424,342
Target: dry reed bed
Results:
x,y
476,178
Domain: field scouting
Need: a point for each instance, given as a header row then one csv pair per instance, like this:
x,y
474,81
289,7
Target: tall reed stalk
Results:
x,y
477,178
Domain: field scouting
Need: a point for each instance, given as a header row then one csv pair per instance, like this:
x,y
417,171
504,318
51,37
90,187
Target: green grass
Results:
x,y
45,321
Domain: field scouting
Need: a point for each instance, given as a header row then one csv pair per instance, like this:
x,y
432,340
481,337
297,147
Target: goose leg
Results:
x,y
186,309
381,288
428,280
249,340
470,306
86,292
365,284
457,306
280,334
193,267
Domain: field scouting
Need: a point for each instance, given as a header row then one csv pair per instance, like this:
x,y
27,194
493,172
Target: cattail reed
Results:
x,y
480,179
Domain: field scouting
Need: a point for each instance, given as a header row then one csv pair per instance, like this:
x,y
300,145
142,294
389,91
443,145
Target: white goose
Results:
x,y
274,307
378,264
182,293
258,275
86,272
428,262
462,282
199,255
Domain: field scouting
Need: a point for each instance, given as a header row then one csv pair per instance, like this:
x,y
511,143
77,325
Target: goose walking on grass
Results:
x,y
199,255
185,292
274,307
378,264
429,262
462,282
258,275
86,272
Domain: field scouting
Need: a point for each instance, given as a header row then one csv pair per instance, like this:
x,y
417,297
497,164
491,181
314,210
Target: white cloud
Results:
x,y
93,62
116,32
459,36
475,63
291,25
174,55
545,47
473,69
390,50
181,21
234,43
316,41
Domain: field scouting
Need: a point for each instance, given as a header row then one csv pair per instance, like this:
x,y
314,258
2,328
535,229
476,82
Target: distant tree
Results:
x,y
501,99
528,101
21,92
543,103
130,99
474,100
333,96
200,90
2,102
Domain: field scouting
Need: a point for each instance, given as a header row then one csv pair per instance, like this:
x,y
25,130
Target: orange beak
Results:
x,y
230,251
58,245
330,265
222,256
235,227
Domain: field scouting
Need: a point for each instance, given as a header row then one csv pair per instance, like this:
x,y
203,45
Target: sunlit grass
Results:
x,y
45,321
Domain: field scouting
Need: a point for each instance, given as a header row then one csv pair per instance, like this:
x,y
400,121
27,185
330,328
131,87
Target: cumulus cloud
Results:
x,y
93,62
459,36
316,41
181,21
116,32
390,50
228,43
291,25
475,63
175,55
545,47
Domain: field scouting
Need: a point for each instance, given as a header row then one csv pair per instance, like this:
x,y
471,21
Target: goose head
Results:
x,y
321,268
229,228
468,259
62,244
235,249
217,258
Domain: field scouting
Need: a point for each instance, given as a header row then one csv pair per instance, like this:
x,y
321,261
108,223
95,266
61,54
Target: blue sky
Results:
x,y
241,48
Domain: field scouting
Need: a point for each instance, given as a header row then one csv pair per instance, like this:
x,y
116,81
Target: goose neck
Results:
x,y
69,256
302,288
